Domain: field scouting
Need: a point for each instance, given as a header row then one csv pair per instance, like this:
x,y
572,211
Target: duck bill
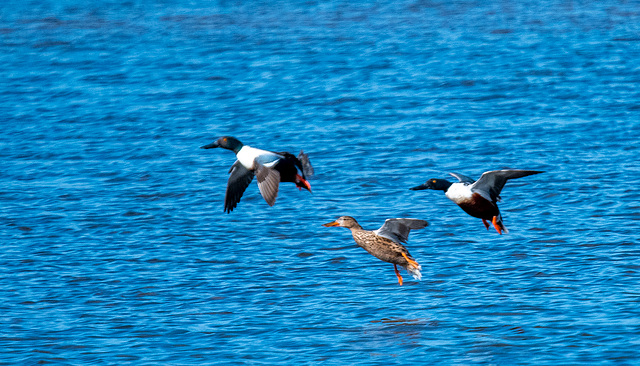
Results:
x,y
211,145
330,224
420,187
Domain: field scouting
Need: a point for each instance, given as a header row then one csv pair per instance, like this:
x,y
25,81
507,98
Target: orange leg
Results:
x,y
486,224
411,261
302,183
398,274
496,225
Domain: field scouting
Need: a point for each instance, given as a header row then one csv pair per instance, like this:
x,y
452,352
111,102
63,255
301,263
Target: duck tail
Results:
x,y
412,266
414,271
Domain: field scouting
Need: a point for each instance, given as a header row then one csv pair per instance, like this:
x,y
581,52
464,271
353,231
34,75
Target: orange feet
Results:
x,y
411,261
496,225
398,274
302,183
486,224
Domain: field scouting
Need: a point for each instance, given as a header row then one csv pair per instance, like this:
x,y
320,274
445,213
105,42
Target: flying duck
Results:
x,y
478,198
269,167
386,242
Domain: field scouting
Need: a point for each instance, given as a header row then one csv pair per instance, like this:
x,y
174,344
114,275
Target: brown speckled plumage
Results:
x,y
382,248
385,243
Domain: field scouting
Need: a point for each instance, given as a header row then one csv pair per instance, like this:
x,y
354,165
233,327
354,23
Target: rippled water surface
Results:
x,y
115,247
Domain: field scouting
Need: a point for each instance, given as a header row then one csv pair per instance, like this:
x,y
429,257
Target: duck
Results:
x,y
386,242
478,198
269,167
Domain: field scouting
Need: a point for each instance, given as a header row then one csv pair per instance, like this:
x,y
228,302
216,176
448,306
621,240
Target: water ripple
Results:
x,y
116,248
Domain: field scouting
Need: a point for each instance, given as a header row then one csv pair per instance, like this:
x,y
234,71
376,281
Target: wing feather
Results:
x,y
306,168
268,182
493,181
462,178
268,158
239,179
398,229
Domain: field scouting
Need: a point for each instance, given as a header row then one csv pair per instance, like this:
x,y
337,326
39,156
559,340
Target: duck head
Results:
x,y
344,221
225,142
437,184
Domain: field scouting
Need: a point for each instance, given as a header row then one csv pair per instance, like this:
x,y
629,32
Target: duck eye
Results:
x,y
225,139
433,181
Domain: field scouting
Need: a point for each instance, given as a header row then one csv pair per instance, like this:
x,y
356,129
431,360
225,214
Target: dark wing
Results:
x,y
493,181
268,182
239,180
398,229
462,178
307,169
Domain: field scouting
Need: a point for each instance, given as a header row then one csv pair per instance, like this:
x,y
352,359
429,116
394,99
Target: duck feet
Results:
x,y
398,274
302,183
496,225
486,224
411,261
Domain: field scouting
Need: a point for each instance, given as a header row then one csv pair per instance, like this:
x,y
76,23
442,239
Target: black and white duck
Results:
x,y
478,198
270,168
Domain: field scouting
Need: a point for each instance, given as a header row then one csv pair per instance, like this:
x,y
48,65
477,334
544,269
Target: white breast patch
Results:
x,y
459,192
247,155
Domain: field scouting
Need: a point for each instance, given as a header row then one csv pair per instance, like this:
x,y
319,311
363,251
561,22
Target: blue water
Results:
x,y
115,248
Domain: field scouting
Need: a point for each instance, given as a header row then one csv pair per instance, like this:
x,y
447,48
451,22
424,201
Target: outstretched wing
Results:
x,y
398,229
462,178
493,181
268,182
239,180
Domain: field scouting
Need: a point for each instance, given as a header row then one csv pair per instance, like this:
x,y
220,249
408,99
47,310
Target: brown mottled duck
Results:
x,y
386,242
